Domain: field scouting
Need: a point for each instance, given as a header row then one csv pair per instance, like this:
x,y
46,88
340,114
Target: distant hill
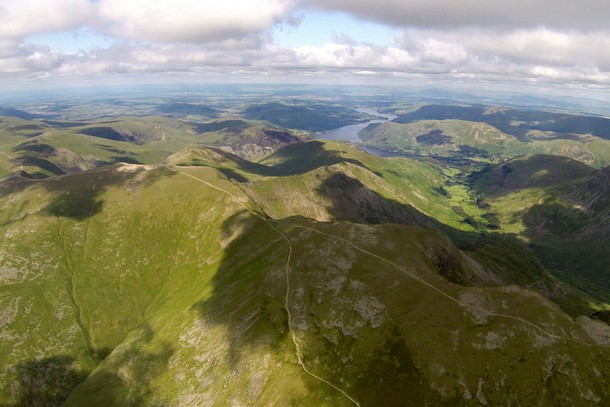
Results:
x,y
8,111
310,117
184,109
40,149
484,133
250,140
513,121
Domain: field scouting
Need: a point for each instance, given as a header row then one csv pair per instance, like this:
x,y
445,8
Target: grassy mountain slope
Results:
x,y
481,140
102,257
152,287
560,207
40,149
514,121
249,140
528,172
307,166
330,181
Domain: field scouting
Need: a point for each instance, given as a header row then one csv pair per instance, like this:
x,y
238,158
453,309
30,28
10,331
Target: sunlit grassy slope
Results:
x,y
154,285
39,148
330,181
482,141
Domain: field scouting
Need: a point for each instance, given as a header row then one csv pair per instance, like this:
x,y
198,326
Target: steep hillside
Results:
x,y
594,192
560,207
167,286
329,181
249,140
535,171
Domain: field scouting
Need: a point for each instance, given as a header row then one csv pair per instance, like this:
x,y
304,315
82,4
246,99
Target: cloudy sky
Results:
x,y
537,43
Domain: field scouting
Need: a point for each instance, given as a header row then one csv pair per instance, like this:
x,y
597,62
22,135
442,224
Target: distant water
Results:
x,y
383,153
350,133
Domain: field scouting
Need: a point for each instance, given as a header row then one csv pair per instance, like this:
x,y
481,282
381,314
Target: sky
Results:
x,y
544,45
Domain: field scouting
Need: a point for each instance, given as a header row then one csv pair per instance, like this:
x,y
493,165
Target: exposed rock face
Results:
x,y
254,143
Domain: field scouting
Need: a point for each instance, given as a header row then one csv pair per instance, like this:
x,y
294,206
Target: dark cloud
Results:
x,y
589,15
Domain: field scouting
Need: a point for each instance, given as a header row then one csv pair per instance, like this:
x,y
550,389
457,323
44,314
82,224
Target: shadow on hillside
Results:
x,y
352,201
571,240
248,299
125,377
232,174
123,159
249,284
303,157
242,298
123,156
33,161
46,382
293,159
78,196
536,171
109,133
78,205
61,124
235,125
51,381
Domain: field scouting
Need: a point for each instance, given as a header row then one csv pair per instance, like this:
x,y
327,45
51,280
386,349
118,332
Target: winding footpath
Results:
x,y
443,293
368,253
299,353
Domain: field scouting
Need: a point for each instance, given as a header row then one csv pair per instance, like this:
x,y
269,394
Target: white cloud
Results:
x,y
29,58
484,49
196,21
358,57
521,40
19,18
442,56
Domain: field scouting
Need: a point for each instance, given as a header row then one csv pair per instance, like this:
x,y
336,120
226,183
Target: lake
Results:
x,y
350,133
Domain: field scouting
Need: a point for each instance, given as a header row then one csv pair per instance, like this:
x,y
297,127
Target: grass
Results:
x,y
44,149
135,285
484,142
373,190
533,199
